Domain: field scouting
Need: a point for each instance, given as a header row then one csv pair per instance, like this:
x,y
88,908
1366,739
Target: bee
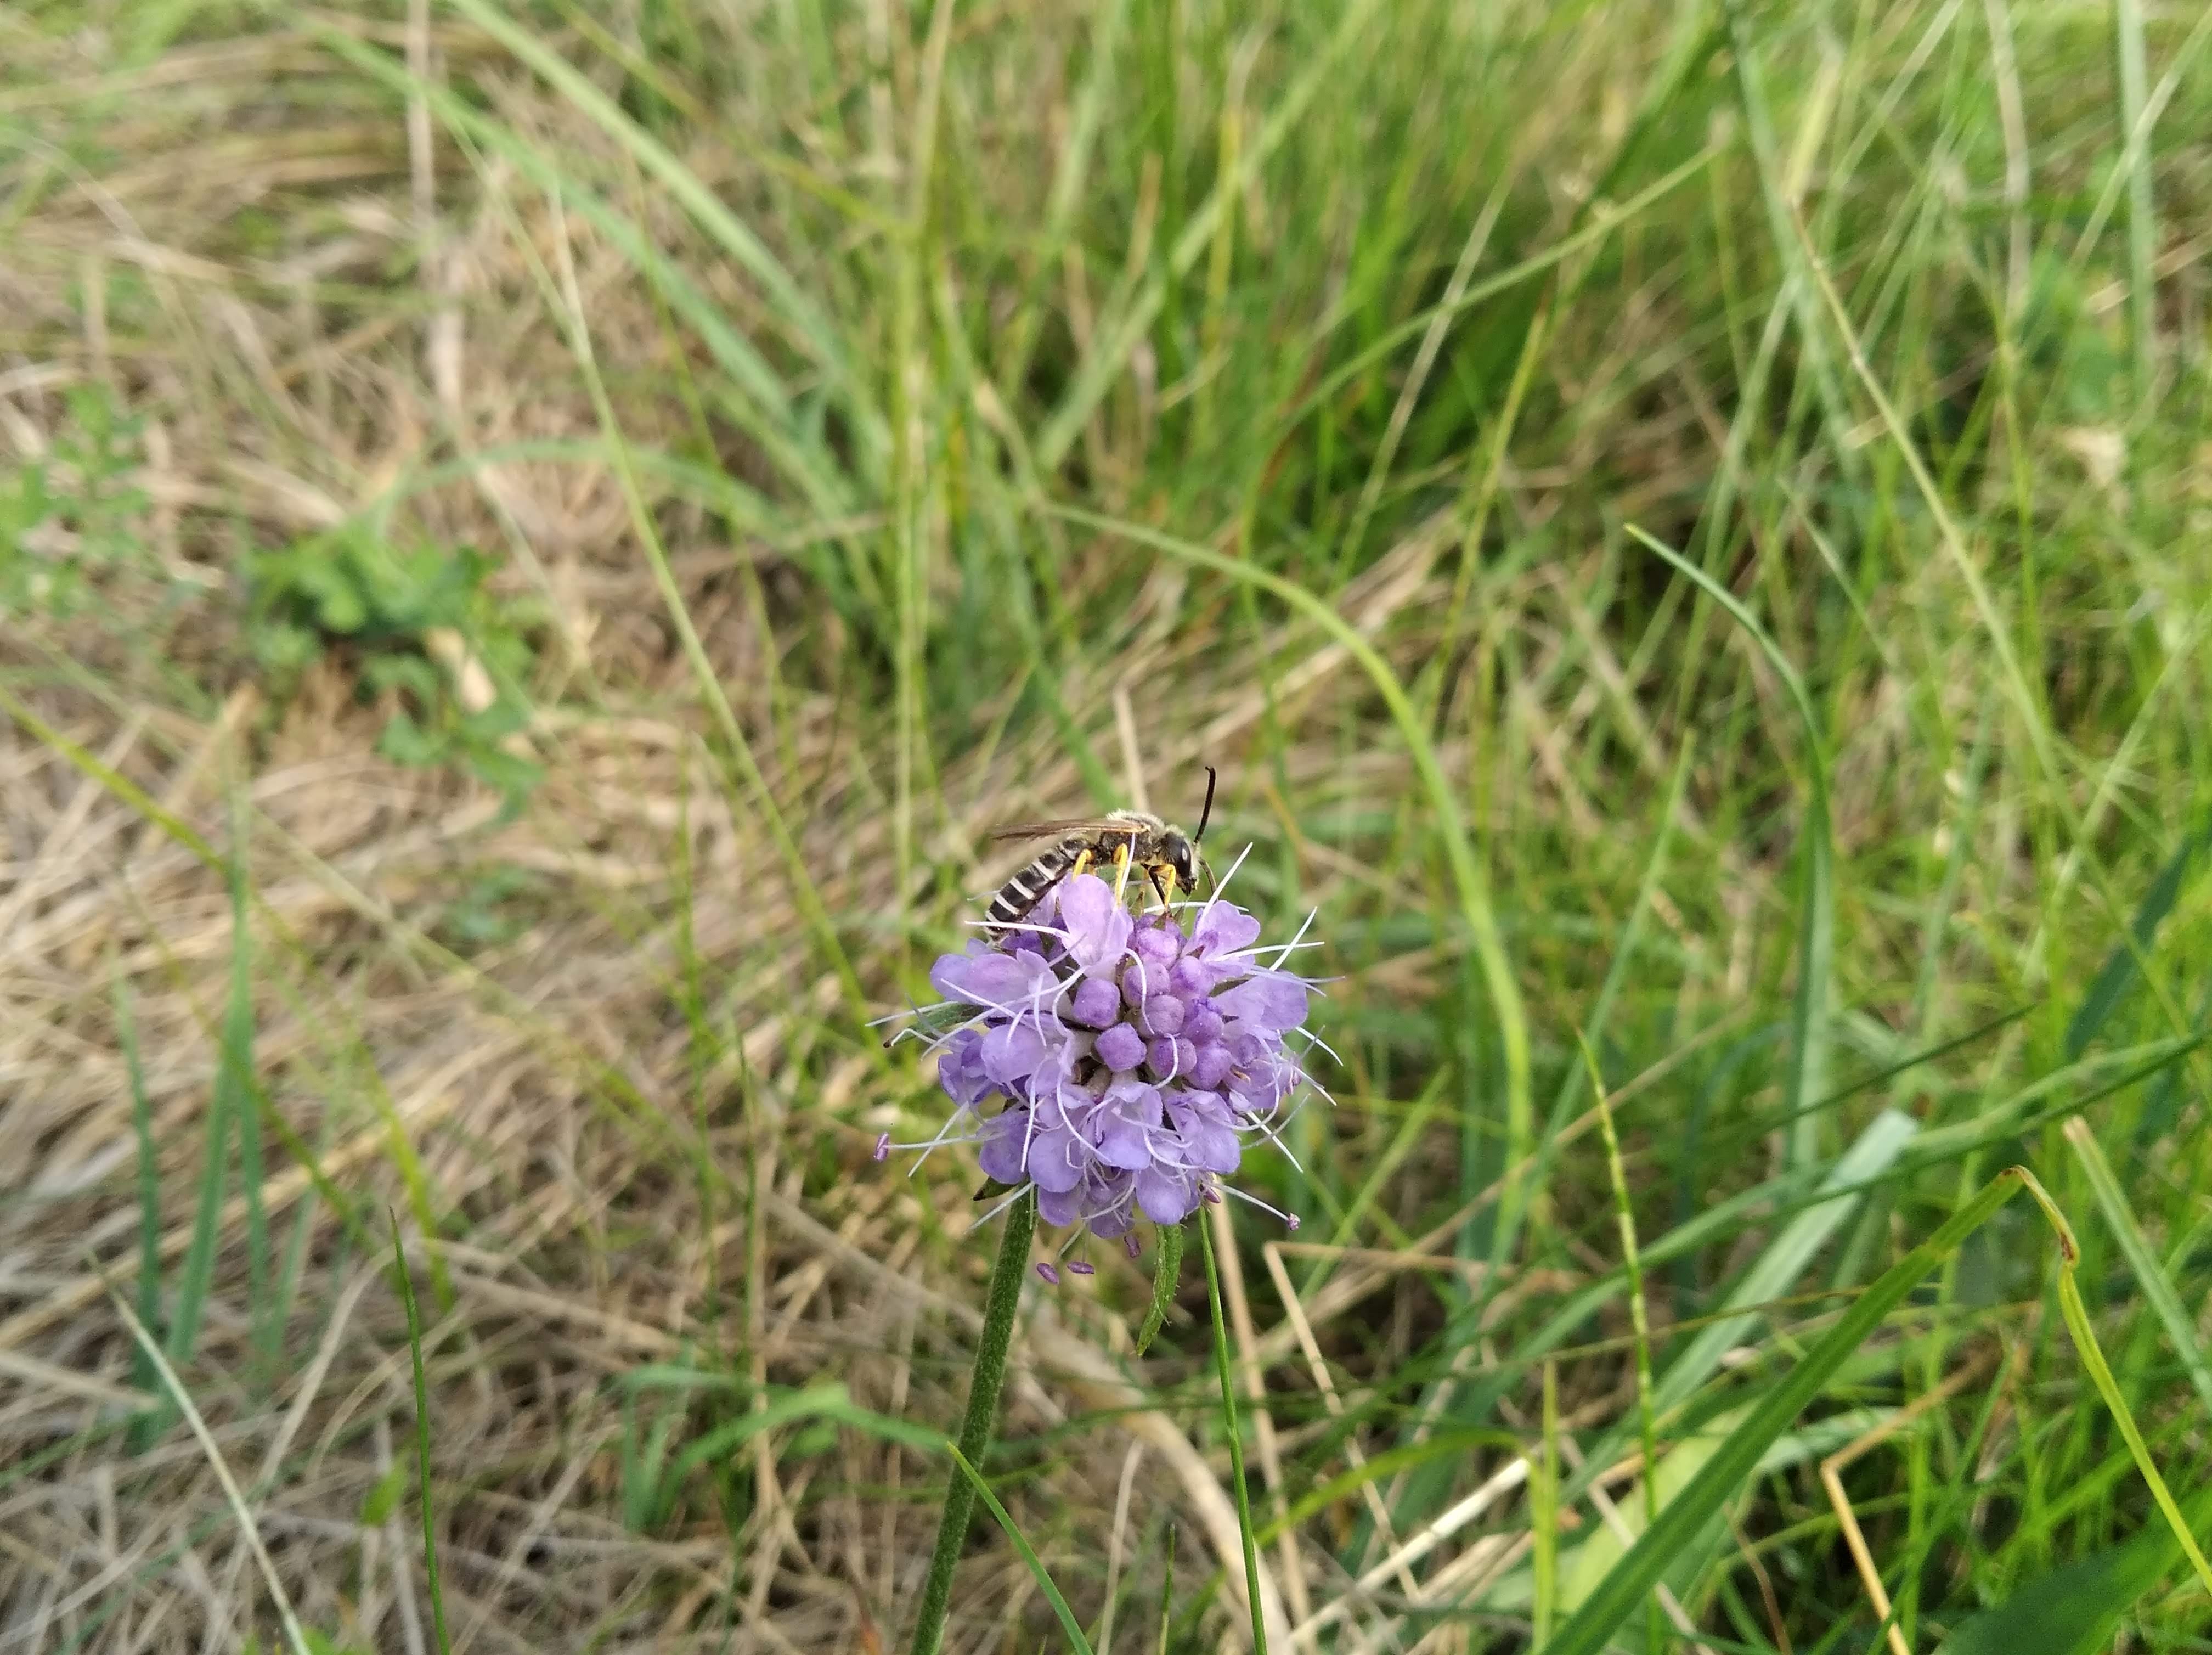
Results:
x,y
1133,838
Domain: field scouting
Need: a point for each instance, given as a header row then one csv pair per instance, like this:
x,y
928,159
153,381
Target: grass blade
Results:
x,y
142,1374
2121,968
248,1529
1068,1623
2142,222
2101,1372
422,1437
2112,1201
1809,1069
804,319
1682,1518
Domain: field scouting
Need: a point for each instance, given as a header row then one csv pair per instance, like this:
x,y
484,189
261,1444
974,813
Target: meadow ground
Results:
x,y
536,541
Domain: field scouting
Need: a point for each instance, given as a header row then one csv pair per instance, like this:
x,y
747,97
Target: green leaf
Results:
x,y
406,742
507,772
383,1496
1167,1271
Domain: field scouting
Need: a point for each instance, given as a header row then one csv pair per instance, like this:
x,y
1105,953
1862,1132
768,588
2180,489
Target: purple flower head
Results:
x,y
1117,1063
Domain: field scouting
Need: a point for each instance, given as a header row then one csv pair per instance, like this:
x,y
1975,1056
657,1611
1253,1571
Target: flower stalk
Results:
x,y
1002,1298
1236,1444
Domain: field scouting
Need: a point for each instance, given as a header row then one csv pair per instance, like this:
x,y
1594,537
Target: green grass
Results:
x,y
1681,526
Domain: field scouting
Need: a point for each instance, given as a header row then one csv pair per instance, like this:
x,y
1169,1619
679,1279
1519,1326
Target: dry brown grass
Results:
x,y
548,1083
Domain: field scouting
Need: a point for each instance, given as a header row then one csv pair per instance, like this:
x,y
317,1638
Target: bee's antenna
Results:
x,y
1207,811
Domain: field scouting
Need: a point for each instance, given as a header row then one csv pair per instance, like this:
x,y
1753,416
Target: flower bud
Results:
x,y
1121,1048
1095,1003
1163,1014
1211,1066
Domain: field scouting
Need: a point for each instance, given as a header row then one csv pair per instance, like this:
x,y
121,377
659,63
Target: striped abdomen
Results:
x,y
1022,894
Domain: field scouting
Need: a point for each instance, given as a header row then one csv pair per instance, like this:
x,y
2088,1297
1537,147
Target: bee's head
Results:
x,y
1182,855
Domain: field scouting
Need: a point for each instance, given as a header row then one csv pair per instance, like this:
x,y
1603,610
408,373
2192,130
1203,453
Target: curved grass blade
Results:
x,y
1067,1621
2093,1358
798,313
1817,899
1683,1518
2150,1275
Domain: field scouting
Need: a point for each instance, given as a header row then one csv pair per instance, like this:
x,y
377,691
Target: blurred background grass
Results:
x,y
534,541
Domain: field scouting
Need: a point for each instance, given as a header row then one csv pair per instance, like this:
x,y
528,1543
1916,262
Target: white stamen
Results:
x,y
1283,953
1220,885
1287,1218
1003,1205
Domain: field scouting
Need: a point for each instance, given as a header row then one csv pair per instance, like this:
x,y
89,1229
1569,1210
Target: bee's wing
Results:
x,y
1060,828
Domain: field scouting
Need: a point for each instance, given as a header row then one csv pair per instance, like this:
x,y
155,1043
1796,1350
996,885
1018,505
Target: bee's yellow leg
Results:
x,y
1082,863
1120,869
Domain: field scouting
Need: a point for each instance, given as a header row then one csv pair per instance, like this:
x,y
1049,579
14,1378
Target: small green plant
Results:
x,y
420,622
71,514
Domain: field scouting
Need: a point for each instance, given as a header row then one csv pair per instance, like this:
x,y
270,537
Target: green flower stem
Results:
x,y
1003,1298
1236,1439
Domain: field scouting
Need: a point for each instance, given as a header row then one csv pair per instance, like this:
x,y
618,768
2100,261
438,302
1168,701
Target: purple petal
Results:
x,y
1057,1158
1166,1197
1224,928
1061,1206
1161,1054
992,978
1200,1120
1264,1083
1124,1127
1096,925
1125,1146
1001,1152
1012,1052
1272,1002
960,1068
1121,1048
1114,1221
1134,1099
1203,1025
